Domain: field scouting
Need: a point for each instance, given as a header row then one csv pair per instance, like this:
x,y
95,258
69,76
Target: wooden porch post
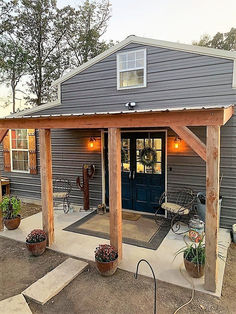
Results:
x,y
46,183
115,204
212,206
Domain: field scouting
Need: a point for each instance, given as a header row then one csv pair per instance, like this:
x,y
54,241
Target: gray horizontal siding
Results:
x,y
174,79
69,153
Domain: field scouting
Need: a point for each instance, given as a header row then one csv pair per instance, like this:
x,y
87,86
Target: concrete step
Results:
x,y
53,282
16,304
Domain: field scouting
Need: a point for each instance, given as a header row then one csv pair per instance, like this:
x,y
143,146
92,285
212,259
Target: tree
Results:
x,y
55,40
7,22
226,41
13,65
85,27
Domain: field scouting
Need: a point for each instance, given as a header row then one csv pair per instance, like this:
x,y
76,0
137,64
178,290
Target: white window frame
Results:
x,y
144,68
19,149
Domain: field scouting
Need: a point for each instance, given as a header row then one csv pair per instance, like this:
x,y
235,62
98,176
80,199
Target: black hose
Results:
x,y
155,284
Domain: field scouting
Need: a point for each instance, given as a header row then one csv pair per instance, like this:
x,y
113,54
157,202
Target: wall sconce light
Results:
x,y
92,141
177,142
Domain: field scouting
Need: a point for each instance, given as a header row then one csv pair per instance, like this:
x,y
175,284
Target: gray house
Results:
x,y
159,94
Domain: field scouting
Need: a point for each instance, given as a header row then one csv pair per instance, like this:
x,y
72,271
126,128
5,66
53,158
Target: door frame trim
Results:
x,y
103,159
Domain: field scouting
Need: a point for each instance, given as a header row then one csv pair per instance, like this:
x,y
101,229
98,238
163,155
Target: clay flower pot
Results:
x,y
194,270
12,224
37,248
107,268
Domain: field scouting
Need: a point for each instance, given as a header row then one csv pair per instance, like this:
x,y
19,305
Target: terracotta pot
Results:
x,y
12,224
194,270
37,248
107,268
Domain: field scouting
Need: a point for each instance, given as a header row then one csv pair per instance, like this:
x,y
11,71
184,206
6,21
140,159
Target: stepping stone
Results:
x,y
53,282
16,304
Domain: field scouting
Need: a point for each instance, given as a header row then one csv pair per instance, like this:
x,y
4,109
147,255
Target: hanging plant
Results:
x,y
148,156
124,157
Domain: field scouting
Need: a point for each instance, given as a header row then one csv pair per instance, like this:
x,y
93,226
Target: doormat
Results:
x,y
130,216
144,232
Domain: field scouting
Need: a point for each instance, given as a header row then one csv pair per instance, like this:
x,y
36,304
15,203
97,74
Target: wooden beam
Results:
x,y
191,139
120,120
46,183
212,206
3,133
115,203
228,112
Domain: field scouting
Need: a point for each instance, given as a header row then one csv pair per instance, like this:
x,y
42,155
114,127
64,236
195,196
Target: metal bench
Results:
x,y
61,191
178,204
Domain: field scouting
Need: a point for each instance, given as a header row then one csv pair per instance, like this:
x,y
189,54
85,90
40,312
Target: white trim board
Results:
x,y
150,42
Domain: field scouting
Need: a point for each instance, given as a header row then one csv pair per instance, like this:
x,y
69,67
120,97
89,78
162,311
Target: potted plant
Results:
x,y
194,259
106,258
11,207
36,242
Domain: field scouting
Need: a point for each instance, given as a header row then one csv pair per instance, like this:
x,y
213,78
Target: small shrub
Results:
x,y
105,253
36,235
194,253
10,207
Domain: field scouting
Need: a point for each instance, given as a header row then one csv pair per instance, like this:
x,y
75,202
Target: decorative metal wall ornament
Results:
x,y
85,185
148,156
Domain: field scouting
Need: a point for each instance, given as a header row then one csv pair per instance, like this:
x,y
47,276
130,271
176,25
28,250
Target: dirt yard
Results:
x,y
91,293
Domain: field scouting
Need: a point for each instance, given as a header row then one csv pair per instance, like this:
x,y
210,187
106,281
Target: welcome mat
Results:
x,y
144,232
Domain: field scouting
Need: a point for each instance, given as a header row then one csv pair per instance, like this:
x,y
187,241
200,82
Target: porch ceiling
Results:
x,y
131,119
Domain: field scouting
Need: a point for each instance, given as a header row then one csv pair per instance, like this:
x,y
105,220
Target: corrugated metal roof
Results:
x,y
117,112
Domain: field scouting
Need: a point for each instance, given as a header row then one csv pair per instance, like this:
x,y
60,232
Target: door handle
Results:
x,y
133,177
130,173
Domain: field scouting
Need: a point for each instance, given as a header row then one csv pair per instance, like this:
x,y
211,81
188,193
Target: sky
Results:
x,y
173,20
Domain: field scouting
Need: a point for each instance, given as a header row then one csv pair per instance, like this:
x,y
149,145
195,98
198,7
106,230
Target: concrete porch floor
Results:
x,y
162,260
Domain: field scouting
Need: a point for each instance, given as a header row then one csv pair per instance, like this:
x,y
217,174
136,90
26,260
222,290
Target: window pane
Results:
x,y
131,78
139,143
131,56
126,167
125,154
157,168
140,167
148,142
131,64
139,63
158,156
20,160
123,57
157,143
123,65
140,55
148,169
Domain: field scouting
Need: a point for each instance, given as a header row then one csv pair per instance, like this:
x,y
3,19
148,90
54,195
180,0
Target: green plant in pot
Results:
x,y
11,207
36,242
194,259
106,258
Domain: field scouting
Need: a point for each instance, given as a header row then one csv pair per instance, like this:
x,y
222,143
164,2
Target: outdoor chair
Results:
x,y
179,206
61,191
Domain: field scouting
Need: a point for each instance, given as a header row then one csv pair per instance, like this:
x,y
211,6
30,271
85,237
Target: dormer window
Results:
x,y
131,69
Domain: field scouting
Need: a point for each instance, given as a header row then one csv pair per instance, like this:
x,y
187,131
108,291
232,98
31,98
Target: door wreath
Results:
x,y
148,156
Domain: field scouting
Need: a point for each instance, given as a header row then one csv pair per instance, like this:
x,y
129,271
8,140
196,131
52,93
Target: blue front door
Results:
x,y
142,186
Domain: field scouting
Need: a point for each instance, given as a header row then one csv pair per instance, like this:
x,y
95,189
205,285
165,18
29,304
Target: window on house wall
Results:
x,y
131,69
19,150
